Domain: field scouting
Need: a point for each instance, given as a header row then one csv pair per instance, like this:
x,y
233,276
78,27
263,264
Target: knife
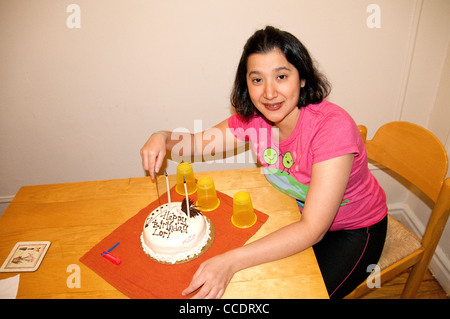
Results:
x,y
157,189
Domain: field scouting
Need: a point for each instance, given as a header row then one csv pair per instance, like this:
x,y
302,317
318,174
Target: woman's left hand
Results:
x,y
212,278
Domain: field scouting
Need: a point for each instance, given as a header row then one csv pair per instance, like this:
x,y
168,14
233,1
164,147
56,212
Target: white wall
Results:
x,y
427,103
77,104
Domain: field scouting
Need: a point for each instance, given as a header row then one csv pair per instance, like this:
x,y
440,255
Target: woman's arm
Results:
x,y
327,187
214,140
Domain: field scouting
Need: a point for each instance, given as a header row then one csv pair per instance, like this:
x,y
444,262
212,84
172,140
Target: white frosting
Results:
x,y
170,236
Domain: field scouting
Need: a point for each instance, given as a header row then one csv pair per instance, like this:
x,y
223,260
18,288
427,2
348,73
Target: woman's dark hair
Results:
x,y
263,41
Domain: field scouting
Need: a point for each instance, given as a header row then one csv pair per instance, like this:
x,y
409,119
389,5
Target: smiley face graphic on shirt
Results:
x,y
280,177
270,156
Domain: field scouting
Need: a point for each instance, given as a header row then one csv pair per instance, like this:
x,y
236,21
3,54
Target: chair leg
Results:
x,y
414,280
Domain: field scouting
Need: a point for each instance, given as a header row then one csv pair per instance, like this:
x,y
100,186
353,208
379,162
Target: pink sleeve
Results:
x,y
238,127
337,135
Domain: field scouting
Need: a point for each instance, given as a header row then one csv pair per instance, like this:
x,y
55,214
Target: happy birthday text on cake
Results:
x,y
168,224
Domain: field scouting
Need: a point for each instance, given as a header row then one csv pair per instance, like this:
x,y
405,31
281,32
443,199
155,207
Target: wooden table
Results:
x,y
76,216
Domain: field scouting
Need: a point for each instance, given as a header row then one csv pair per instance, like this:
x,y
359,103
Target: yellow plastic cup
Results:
x,y
207,199
243,213
185,170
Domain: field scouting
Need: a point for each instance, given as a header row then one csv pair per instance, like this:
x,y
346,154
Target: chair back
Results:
x,y
413,152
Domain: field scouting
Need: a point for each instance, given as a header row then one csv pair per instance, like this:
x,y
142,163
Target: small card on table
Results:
x,y
26,256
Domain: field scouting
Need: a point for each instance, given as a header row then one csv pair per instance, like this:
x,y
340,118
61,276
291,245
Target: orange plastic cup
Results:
x,y
207,199
185,170
243,213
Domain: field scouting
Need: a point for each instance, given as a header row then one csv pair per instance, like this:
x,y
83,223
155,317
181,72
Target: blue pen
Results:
x,y
114,259
111,248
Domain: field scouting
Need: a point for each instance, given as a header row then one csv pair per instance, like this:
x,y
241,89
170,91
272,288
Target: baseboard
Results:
x,y
4,202
440,263
6,199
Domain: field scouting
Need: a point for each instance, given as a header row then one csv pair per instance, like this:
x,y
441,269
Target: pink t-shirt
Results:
x,y
323,131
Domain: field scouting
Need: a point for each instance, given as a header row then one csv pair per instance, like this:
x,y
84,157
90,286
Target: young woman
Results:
x,y
310,149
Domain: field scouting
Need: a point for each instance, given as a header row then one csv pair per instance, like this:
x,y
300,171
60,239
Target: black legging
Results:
x,y
344,256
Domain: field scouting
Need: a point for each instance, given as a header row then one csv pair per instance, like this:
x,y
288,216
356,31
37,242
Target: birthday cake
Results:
x,y
174,234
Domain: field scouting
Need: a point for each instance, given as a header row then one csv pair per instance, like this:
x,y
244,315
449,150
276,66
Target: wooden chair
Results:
x,y
416,157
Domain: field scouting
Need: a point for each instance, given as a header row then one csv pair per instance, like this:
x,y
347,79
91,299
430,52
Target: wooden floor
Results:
x,y
429,289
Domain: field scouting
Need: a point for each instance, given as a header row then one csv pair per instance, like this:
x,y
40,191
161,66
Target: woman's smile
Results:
x,y
273,106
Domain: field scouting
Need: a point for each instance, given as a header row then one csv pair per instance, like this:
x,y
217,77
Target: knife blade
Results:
x,y
157,189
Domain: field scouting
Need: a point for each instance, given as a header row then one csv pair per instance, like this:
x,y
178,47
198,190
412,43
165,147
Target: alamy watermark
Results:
x,y
211,145
73,21
374,19
374,279
74,279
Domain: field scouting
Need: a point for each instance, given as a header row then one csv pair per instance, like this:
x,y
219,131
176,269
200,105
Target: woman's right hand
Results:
x,y
154,150
153,153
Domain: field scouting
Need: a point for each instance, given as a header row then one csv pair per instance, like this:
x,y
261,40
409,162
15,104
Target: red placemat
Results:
x,y
138,276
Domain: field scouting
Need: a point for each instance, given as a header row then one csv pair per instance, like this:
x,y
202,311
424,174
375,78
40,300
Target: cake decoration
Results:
x,y
176,232
193,211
